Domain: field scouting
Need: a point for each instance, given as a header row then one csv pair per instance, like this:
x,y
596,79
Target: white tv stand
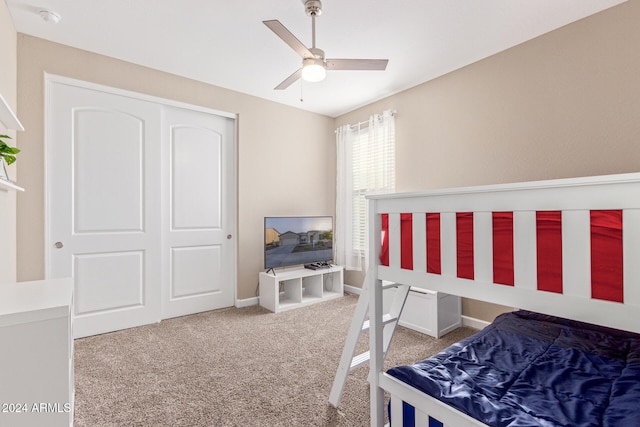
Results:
x,y
297,287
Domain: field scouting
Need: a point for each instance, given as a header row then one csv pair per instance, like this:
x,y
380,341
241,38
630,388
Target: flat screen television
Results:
x,y
295,240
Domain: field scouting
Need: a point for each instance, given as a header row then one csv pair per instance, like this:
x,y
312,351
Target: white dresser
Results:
x,y
36,353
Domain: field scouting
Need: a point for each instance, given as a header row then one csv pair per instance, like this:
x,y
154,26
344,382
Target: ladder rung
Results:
x,y
359,360
349,362
389,285
386,319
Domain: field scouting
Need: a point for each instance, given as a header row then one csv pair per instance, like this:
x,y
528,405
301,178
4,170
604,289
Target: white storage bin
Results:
x,y
432,313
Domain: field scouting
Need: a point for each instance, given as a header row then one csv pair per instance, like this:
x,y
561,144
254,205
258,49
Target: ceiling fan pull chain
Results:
x,y
313,30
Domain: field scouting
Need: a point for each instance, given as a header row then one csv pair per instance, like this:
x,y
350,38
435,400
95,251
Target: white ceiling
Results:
x,y
225,43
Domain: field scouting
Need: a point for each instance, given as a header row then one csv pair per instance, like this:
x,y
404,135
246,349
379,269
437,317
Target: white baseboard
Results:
x,y
352,289
472,322
247,302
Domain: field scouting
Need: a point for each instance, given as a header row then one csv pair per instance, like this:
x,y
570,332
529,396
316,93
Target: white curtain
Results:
x,y
345,254
366,165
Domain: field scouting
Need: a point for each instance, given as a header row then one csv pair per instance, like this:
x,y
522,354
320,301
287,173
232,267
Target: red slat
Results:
x,y
549,250
434,262
406,241
464,244
503,248
384,251
606,255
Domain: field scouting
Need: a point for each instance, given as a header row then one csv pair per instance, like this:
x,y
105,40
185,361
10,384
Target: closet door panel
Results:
x,y
104,194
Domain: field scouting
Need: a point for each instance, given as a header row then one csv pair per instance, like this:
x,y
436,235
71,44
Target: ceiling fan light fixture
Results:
x,y
313,70
314,63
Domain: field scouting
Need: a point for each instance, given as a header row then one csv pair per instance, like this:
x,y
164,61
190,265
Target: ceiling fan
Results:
x,y
314,65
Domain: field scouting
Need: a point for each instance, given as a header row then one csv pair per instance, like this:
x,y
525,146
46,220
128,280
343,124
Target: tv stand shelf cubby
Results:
x,y
293,288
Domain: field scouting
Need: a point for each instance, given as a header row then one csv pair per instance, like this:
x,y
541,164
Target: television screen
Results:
x,y
297,240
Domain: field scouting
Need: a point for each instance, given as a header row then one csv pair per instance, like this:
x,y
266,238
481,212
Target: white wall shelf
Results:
x,y
9,185
8,117
287,289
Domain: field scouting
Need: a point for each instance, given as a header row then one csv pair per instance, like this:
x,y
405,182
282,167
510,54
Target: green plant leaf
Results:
x,y
9,158
6,151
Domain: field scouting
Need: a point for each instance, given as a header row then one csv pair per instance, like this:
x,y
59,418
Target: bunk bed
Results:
x,y
566,253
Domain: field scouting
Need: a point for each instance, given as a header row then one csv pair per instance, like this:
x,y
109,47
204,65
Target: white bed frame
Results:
x,y
574,197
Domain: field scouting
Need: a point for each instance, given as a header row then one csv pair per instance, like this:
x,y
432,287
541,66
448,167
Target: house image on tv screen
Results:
x,y
313,238
301,240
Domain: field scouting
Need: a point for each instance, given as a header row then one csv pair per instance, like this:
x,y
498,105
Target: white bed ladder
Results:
x,y
359,324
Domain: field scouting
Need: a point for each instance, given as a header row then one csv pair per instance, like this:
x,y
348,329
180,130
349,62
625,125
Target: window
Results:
x,y
370,176
366,165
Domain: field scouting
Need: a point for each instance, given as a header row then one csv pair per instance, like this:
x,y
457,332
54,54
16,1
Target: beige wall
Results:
x,y
565,104
268,134
8,198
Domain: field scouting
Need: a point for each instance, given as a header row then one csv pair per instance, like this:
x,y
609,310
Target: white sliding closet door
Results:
x,y
199,250
103,198
139,206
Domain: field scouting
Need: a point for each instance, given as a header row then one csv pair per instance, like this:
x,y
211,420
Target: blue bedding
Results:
x,y
529,369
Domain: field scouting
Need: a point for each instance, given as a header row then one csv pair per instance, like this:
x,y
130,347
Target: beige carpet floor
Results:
x,y
232,367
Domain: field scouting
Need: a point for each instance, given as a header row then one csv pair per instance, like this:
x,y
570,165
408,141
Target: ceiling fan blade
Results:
x,y
357,64
289,80
282,32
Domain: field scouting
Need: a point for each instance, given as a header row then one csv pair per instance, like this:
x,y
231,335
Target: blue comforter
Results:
x,y
528,369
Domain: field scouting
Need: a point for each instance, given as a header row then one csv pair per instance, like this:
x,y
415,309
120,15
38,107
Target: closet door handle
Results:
x,y
58,245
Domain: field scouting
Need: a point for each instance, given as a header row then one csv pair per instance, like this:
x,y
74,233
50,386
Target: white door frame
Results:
x,y
232,210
